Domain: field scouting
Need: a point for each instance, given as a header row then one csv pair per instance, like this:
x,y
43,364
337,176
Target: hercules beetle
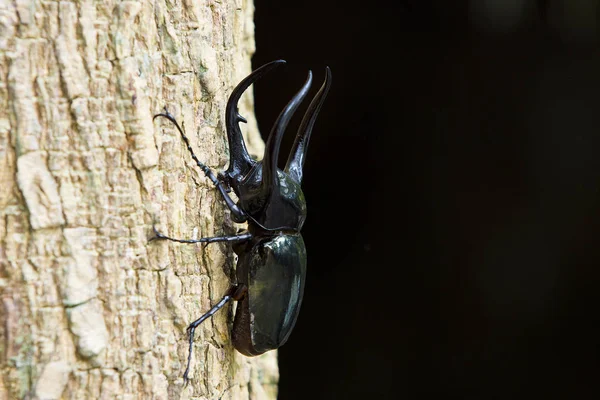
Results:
x,y
271,267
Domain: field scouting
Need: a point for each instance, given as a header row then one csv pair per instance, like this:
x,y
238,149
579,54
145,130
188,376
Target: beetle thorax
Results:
x,y
273,208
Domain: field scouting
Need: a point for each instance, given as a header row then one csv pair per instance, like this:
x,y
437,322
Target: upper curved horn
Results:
x,y
240,161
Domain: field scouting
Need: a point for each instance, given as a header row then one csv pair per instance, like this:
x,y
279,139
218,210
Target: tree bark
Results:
x,y
89,308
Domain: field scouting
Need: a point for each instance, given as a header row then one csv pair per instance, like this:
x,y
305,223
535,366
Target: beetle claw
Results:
x,y
190,331
157,234
165,114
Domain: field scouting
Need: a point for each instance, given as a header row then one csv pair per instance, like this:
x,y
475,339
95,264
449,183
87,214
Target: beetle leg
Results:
x,y
232,238
234,293
192,328
237,214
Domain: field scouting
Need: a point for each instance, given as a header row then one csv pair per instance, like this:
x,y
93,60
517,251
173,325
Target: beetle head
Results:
x,y
271,197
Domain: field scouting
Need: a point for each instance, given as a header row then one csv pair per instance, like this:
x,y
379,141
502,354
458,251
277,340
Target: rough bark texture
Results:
x,y
89,308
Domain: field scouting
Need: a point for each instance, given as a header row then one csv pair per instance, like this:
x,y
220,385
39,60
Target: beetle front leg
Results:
x,y
237,214
234,293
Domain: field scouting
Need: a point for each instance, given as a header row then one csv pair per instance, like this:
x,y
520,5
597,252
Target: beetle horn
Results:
x,y
239,159
274,141
295,162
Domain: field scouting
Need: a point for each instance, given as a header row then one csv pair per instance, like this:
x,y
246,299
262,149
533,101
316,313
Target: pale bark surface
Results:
x,y
89,308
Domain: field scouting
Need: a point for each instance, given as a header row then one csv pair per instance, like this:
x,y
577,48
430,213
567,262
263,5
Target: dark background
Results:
x,y
453,188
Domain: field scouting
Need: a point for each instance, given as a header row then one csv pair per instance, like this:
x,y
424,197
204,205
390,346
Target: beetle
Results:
x,y
271,266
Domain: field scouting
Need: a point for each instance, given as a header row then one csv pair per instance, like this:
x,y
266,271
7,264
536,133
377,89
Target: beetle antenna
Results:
x,y
274,140
240,161
297,156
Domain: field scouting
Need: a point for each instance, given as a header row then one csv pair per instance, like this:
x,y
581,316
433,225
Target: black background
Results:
x,y
453,188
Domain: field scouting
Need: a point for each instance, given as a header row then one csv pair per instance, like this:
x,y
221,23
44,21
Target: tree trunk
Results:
x,y
91,309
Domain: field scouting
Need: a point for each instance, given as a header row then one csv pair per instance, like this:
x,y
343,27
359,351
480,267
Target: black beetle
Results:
x,y
271,267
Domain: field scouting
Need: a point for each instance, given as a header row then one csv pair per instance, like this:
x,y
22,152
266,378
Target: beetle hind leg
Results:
x,y
234,293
